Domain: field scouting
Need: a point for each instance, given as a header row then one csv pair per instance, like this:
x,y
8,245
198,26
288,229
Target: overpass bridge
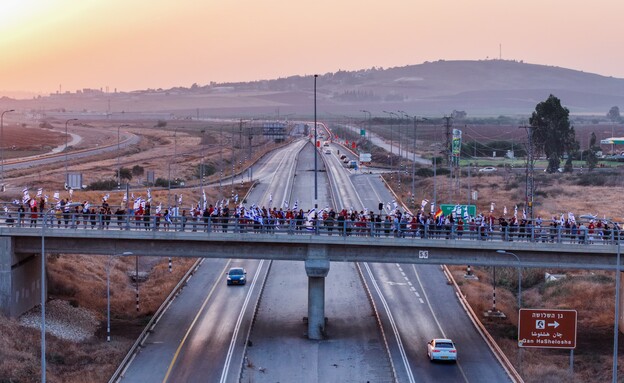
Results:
x,y
317,246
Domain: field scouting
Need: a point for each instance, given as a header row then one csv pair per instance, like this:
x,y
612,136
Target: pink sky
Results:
x,y
141,44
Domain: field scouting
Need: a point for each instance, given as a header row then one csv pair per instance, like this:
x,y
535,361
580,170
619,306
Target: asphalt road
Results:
x,y
202,337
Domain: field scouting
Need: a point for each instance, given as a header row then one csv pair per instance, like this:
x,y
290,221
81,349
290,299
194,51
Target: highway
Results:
x,y
203,334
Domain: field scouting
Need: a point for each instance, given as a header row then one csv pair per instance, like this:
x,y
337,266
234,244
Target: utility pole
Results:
x,y
530,171
449,154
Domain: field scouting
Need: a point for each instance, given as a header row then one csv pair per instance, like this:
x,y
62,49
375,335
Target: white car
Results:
x,y
441,349
327,151
487,169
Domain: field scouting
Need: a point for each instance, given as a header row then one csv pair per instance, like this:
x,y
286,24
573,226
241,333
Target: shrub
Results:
x,y
424,172
102,185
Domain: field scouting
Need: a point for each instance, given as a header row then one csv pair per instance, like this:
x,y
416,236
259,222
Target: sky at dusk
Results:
x,y
140,44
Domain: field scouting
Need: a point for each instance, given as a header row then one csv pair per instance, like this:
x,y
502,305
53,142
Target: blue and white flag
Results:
x,y
492,207
505,210
149,195
56,196
423,204
271,199
180,200
296,205
159,208
516,211
571,217
236,198
106,197
26,196
39,192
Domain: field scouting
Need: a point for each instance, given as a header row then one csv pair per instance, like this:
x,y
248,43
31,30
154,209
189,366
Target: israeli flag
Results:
x,y
423,204
149,195
296,205
505,210
39,192
56,196
491,207
236,198
516,211
271,199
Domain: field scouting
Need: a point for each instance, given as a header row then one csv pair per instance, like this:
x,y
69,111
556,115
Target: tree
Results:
x,y
137,170
592,159
614,114
124,174
552,134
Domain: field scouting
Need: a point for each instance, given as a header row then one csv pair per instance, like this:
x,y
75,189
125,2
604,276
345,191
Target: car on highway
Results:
x,y
236,276
343,156
327,151
441,349
487,169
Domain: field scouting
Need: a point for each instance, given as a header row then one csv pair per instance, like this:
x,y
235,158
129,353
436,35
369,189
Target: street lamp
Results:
x,y
108,267
66,138
616,326
519,276
315,150
369,126
43,288
2,144
118,154
175,146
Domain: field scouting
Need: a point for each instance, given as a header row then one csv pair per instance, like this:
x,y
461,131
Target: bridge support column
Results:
x,y
6,260
621,322
317,270
20,279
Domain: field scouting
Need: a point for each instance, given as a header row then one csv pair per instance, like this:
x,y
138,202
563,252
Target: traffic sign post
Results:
x,y
543,328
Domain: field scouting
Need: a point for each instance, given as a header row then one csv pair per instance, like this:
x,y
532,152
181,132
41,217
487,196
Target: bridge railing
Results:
x,y
403,229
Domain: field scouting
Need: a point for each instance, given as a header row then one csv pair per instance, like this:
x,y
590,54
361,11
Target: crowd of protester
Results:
x,y
397,223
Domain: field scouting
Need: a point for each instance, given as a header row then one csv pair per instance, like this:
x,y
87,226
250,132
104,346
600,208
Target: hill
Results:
x,y
480,88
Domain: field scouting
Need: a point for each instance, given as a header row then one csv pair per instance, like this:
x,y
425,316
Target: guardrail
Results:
x,y
326,227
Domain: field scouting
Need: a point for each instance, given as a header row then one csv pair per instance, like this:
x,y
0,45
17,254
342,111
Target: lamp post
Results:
x,y
369,126
175,145
315,150
2,144
391,128
108,267
66,140
414,158
118,154
616,326
43,288
519,275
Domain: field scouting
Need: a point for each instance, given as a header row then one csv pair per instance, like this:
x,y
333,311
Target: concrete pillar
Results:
x,y
20,280
317,269
6,260
621,322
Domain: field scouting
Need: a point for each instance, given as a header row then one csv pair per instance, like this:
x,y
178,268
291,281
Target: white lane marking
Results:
x,y
421,301
409,283
436,318
402,273
396,283
413,289
228,359
410,376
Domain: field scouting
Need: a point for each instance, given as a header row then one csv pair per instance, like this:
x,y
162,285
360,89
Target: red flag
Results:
x,y
438,213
